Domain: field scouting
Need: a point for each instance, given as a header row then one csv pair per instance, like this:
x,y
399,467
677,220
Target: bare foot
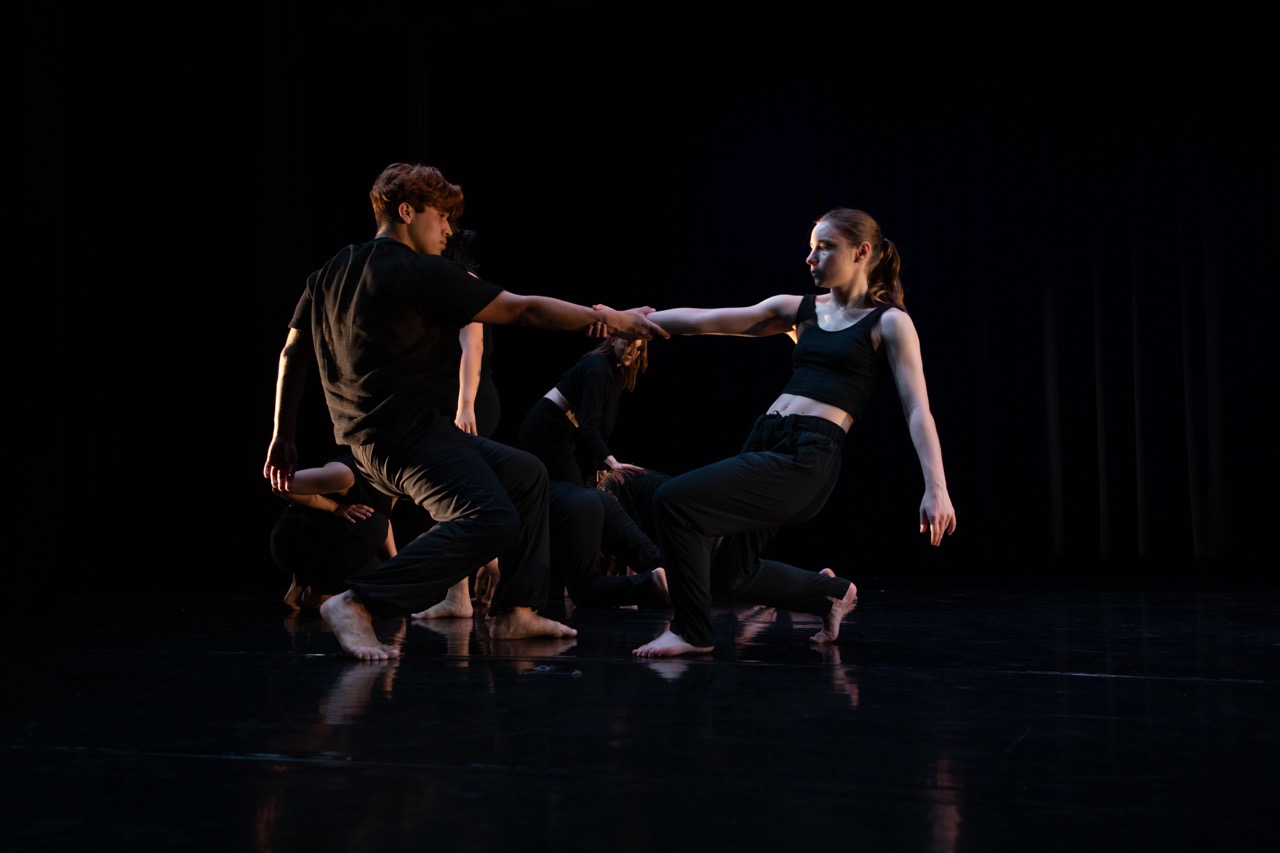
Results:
x,y
521,622
291,596
668,645
311,599
839,609
456,604
660,581
352,624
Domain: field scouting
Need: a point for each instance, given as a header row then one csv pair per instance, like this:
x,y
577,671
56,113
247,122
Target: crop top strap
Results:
x,y
808,309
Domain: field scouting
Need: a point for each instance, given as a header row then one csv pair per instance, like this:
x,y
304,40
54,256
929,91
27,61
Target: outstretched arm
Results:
x,y
899,335
291,378
775,315
547,312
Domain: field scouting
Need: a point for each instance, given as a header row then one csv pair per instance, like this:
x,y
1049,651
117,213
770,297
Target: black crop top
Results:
x,y
839,368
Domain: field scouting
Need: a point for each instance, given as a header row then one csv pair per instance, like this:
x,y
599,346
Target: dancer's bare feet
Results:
x,y
668,645
456,604
840,608
352,624
487,577
660,582
521,622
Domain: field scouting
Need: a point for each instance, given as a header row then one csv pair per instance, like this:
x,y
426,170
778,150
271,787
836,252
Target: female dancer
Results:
x,y
713,522
569,427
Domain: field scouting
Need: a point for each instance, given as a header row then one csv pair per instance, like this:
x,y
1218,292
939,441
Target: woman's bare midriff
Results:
x,y
790,404
556,397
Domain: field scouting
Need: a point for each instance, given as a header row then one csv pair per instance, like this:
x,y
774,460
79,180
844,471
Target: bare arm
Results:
x,y
775,315
313,487
472,340
547,312
899,335
330,478
291,377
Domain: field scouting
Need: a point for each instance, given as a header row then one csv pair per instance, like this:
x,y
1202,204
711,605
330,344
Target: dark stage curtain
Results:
x,y
1088,219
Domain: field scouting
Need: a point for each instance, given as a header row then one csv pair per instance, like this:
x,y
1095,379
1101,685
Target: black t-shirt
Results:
x,y
385,321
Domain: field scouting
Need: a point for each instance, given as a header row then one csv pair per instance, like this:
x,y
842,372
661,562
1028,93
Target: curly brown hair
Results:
x,y
419,185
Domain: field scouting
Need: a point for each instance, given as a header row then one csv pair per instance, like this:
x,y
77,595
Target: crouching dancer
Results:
x,y
381,320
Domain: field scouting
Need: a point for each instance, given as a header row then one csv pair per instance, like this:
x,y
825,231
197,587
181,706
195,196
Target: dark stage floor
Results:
x,y
975,718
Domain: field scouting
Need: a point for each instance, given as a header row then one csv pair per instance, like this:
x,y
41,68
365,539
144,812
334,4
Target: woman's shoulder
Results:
x,y
895,323
893,314
596,363
588,364
806,307
786,303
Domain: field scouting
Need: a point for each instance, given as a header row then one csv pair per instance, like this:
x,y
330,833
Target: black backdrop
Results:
x,y
1087,210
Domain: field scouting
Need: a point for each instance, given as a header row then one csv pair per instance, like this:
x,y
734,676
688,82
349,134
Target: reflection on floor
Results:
x,y
977,718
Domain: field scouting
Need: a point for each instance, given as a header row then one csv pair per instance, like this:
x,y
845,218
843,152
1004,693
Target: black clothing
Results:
x,y
409,519
548,434
593,388
635,493
841,368
487,499
321,550
585,523
385,322
714,522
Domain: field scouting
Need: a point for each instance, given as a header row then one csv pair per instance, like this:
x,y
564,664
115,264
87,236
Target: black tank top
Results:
x,y
839,368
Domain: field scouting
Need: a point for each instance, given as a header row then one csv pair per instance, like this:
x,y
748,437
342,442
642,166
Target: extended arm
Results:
x,y
547,312
472,340
291,378
899,335
775,315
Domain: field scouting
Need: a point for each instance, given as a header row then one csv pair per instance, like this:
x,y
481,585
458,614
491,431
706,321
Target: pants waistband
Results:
x,y
803,423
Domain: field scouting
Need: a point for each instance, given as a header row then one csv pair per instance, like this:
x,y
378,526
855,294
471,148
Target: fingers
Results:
x,y
937,529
